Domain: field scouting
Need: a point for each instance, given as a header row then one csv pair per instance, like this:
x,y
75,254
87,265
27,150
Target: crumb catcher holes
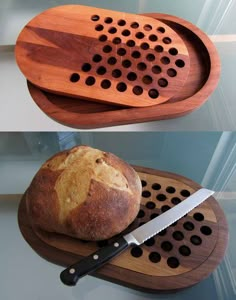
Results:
x,y
74,77
136,252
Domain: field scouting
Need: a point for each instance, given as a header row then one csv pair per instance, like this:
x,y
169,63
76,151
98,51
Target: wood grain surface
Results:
x,y
202,80
176,258
103,55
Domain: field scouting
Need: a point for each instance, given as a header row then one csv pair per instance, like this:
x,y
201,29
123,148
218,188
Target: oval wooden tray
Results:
x,y
202,80
178,257
103,55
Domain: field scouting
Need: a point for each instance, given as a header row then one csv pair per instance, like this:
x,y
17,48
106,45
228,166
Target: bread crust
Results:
x,y
84,193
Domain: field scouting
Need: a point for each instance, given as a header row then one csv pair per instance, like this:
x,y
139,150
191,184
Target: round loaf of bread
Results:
x,y
84,193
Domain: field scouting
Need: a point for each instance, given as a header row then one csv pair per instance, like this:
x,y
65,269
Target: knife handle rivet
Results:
x,y
95,257
72,271
116,244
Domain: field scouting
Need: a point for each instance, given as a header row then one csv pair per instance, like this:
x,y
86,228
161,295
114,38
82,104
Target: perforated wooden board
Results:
x,y
103,55
176,258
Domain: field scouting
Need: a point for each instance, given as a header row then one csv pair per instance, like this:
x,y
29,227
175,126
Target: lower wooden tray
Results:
x,y
178,257
202,80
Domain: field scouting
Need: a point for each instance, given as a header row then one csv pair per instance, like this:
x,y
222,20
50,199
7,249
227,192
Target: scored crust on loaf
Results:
x,y
85,193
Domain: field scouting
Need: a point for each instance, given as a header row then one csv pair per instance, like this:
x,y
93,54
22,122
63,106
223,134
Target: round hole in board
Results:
x,y
121,22
184,250
156,69
143,182
121,87
165,60
162,82
188,226
161,197
153,93
136,54
107,49
136,251
144,46
170,190
196,240
150,205
90,81
147,27
74,77
171,72
112,30
173,51
130,43
108,20
163,232
141,213
111,60
95,18
150,242
134,25
198,217
154,215
137,90
166,40
126,63
102,38
116,41
105,84
121,51
141,66
154,257
99,27
159,49
125,32
164,208
173,262
86,67
180,63
116,73
97,58
156,186
161,29
139,35
175,200
166,246
178,235
132,76
206,230
150,57
147,79
153,37
101,70
185,193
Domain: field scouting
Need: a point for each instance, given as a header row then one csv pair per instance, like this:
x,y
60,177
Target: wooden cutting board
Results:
x,y
202,80
178,257
103,55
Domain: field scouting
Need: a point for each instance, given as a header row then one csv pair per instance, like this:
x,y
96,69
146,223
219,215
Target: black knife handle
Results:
x,y
72,274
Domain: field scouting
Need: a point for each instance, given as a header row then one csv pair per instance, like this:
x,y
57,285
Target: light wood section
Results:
x,y
103,55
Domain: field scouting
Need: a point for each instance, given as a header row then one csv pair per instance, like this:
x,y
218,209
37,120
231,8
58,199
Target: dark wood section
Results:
x,y
202,80
179,257
103,55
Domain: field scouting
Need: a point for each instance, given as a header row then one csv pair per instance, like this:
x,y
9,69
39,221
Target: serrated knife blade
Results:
x,y
71,275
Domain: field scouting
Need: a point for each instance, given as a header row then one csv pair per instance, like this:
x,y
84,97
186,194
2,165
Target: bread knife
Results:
x,y
73,273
